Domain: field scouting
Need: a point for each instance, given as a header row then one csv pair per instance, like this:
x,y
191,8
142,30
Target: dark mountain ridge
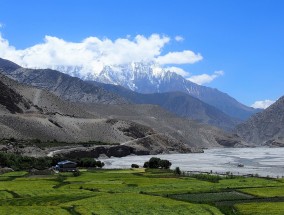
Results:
x,y
265,128
180,104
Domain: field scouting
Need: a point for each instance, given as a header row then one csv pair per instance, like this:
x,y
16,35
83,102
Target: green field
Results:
x,y
137,191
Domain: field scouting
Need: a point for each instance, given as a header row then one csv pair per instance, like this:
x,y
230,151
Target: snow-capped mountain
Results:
x,y
149,77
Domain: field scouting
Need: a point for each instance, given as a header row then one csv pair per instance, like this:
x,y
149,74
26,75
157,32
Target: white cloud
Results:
x,y
184,57
179,38
205,78
93,53
262,104
1,25
177,70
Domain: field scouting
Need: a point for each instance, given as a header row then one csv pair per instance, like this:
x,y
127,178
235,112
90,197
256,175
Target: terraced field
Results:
x,y
136,191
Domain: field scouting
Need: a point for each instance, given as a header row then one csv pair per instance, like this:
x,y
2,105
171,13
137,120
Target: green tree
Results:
x,y
154,163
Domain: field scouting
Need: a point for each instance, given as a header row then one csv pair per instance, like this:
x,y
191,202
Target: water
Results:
x,y
261,161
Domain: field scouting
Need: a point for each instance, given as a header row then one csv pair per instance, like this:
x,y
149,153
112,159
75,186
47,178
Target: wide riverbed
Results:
x,y
261,161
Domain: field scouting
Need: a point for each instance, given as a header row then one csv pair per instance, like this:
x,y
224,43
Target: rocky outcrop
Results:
x,y
265,128
94,152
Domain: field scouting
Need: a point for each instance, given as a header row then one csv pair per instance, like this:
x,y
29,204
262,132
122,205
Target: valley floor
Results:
x,y
138,191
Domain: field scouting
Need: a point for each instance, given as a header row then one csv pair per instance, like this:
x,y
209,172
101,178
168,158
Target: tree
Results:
x,y
177,171
154,163
134,166
146,164
165,164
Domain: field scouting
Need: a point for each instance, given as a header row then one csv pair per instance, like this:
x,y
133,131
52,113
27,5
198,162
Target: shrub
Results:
x,y
208,177
134,166
76,173
146,164
154,163
177,171
165,164
100,164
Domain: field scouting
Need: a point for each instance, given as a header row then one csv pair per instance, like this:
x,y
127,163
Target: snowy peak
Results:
x,y
150,77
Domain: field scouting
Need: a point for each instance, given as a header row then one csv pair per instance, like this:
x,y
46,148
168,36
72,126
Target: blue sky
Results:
x,y
244,39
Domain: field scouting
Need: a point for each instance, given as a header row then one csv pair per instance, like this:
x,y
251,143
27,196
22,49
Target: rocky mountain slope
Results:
x,y
149,77
179,103
265,128
38,114
141,129
76,90
64,86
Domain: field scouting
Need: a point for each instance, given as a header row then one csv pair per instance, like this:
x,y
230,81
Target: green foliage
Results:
x,y
18,162
88,162
263,208
146,164
177,171
165,164
212,197
155,163
134,166
207,177
265,191
76,173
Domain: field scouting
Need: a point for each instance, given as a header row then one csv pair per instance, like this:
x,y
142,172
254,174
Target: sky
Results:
x,y
234,46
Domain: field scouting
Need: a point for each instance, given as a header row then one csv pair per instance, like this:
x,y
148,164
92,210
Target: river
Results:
x,y
261,161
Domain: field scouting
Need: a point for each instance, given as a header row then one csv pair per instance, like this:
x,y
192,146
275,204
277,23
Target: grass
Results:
x,y
134,191
265,191
264,208
34,210
212,197
129,203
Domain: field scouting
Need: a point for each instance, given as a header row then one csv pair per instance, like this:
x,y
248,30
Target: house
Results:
x,y
66,166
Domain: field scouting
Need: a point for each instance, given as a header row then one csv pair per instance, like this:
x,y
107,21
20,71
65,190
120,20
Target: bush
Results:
x,y
134,166
155,163
207,177
146,164
177,171
100,164
165,164
18,162
76,173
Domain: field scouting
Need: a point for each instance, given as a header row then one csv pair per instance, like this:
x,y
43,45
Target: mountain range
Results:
x,y
78,90
48,104
29,112
148,77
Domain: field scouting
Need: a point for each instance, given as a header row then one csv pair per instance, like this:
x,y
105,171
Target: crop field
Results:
x,y
137,191
273,208
212,197
265,191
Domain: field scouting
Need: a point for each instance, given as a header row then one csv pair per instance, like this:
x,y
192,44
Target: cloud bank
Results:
x,y
93,53
262,104
205,78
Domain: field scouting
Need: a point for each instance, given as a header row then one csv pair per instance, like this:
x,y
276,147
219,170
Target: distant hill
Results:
x,y
180,104
265,128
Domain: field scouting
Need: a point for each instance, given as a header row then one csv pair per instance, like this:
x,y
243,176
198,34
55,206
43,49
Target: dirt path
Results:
x,y
130,141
